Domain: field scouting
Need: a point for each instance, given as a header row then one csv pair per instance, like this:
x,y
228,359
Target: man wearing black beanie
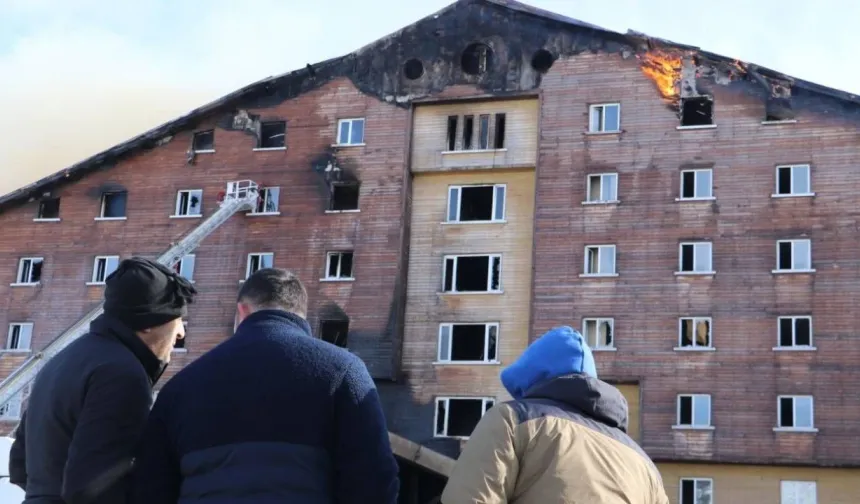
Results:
x,y
89,404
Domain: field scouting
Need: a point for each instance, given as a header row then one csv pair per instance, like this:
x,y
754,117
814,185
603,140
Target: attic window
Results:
x,y
334,332
477,59
344,197
413,69
542,60
698,111
273,135
49,209
204,141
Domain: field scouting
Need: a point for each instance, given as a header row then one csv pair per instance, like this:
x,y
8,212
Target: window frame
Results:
x,y
349,121
695,480
39,211
260,147
107,259
103,205
695,171
779,427
681,271
600,248
695,347
21,325
494,211
597,321
18,403
456,257
782,492
792,168
178,203
20,271
601,177
596,129
248,271
331,199
794,346
181,263
693,425
264,193
487,403
328,257
794,242
488,326
194,141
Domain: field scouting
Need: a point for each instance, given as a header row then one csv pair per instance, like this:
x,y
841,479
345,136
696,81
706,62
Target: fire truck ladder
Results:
x,y
240,195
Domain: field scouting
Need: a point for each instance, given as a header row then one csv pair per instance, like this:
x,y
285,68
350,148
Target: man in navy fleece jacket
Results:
x,y
271,415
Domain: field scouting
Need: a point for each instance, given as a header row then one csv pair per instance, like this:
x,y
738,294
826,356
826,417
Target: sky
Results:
x,y
78,76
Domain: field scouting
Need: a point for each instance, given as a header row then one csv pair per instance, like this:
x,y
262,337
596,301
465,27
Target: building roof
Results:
x,y
356,64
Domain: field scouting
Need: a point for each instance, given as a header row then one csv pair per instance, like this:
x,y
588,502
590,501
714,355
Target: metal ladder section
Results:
x,y
241,195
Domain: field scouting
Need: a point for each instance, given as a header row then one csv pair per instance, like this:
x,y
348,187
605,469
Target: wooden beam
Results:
x,y
421,455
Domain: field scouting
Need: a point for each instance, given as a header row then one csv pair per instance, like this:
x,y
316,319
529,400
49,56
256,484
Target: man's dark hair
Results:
x,y
275,288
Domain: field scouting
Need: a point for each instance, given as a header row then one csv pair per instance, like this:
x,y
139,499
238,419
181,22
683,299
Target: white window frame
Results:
x,y
179,212
107,259
487,403
695,346
794,345
456,258
182,263
794,243
601,127
794,428
328,257
456,191
695,270
695,481
786,498
602,177
248,271
11,410
693,424
600,248
264,195
695,171
347,122
20,271
793,168
103,205
597,321
23,327
488,326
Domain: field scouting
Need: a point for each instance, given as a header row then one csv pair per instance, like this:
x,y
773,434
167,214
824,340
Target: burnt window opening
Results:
x,y
698,111
542,60
273,135
468,342
458,417
334,332
413,69
49,208
452,132
344,197
476,203
795,332
113,205
338,265
695,332
468,131
488,132
477,59
472,274
204,141
499,136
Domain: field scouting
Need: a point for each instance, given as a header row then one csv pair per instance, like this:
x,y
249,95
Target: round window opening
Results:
x,y
477,59
413,69
542,60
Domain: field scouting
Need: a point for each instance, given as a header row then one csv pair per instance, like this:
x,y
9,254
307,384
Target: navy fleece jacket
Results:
x,y
271,415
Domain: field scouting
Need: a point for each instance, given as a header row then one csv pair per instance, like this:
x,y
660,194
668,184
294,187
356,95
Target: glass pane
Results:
x,y
590,330
703,492
701,410
800,180
343,132
609,188
703,184
605,334
453,197
444,342
611,118
492,341
187,267
803,412
273,194
357,132
595,121
703,333
607,260
703,257
499,213
801,255
111,264
195,203
267,261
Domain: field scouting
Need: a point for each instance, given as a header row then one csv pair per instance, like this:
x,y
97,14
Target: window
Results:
x,y
694,333
350,131
695,258
468,131
452,132
273,135
458,416
267,202
338,265
605,118
203,141
599,333
103,266
12,409
795,332
499,137
344,197
602,188
795,412
189,203
482,203
20,336
694,410
472,273
600,260
185,267
484,131
468,342
697,184
334,332
696,491
793,180
29,271
488,132
798,492
49,209
258,261
794,255
697,111
113,205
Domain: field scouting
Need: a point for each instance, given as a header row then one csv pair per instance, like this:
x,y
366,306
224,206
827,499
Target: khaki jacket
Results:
x,y
563,443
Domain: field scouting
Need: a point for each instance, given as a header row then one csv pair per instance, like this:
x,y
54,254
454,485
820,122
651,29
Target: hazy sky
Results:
x,y
77,76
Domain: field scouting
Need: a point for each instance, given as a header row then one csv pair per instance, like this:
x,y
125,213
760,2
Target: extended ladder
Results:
x,y
240,195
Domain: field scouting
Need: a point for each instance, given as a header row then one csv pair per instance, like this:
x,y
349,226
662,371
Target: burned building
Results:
x,y
460,186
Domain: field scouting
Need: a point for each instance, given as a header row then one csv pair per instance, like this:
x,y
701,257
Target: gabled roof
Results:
x,y
445,30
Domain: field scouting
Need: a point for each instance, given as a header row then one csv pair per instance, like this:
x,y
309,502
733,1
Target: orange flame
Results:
x,y
665,70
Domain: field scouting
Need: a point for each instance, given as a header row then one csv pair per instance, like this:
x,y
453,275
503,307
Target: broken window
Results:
x,y
338,265
259,261
698,111
29,271
793,180
267,202
697,491
334,332
697,184
599,332
458,416
185,267
49,209
795,412
798,492
490,132
113,205
344,196
477,59
452,132
350,131
605,118
476,203
695,258
468,131
484,131
694,332
413,69
189,203
468,342
694,410
472,273
273,135
20,336
203,141
794,255
499,134
103,266
602,188
600,260
12,409
542,60
795,332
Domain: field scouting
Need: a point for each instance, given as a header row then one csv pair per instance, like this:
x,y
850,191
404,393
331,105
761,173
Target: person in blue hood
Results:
x,y
561,439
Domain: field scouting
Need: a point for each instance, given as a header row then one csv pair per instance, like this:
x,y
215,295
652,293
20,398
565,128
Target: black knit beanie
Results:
x,y
142,294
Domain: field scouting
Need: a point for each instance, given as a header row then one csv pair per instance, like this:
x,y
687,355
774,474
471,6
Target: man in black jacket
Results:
x,y
89,404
